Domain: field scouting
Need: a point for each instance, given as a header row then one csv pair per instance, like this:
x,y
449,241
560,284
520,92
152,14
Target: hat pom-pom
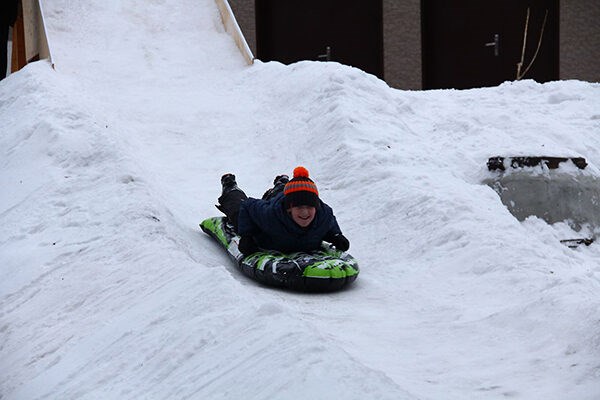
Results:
x,y
300,172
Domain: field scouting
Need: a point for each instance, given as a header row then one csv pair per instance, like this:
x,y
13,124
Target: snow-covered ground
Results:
x,y
108,290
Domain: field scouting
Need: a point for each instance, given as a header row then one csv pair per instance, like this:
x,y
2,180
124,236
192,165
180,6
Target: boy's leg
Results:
x,y
232,196
229,204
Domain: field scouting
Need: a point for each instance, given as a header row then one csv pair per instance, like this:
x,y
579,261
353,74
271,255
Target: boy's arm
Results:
x,y
335,236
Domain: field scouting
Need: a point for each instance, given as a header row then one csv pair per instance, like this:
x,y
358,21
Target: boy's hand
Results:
x,y
340,242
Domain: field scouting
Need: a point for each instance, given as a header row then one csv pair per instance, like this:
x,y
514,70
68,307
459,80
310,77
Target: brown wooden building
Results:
x,y
430,44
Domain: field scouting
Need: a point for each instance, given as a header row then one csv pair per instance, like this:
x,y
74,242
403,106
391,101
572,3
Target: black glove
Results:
x,y
339,241
247,245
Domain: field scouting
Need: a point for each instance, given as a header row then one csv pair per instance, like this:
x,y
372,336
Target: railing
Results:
x,y
30,40
44,44
232,27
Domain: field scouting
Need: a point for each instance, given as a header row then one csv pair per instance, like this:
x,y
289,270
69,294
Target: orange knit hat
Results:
x,y
301,190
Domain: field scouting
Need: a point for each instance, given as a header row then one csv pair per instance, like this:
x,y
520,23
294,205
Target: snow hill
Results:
x,y
108,290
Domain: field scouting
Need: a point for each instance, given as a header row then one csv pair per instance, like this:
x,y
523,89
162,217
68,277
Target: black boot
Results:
x,y
281,180
278,185
228,183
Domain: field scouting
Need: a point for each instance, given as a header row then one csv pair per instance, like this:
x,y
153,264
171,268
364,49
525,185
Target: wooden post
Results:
x,y
18,59
30,41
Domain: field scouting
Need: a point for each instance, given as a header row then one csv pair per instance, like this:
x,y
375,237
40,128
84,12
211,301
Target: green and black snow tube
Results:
x,y
323,270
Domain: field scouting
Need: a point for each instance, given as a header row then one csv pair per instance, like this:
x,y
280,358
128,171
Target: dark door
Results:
x,y
476,43
346,31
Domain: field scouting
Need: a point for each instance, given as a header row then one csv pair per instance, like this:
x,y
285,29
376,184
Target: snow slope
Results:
x,y
108,289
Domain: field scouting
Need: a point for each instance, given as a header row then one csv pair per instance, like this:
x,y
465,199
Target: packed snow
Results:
x,y
109,290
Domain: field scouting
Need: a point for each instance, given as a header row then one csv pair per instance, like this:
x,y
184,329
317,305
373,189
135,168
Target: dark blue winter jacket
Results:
x,y
274,229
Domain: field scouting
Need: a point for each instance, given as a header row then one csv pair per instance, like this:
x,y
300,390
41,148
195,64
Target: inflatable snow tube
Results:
x,y
324,270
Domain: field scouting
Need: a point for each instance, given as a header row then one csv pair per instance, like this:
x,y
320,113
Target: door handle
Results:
x,y
495,44
327,55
